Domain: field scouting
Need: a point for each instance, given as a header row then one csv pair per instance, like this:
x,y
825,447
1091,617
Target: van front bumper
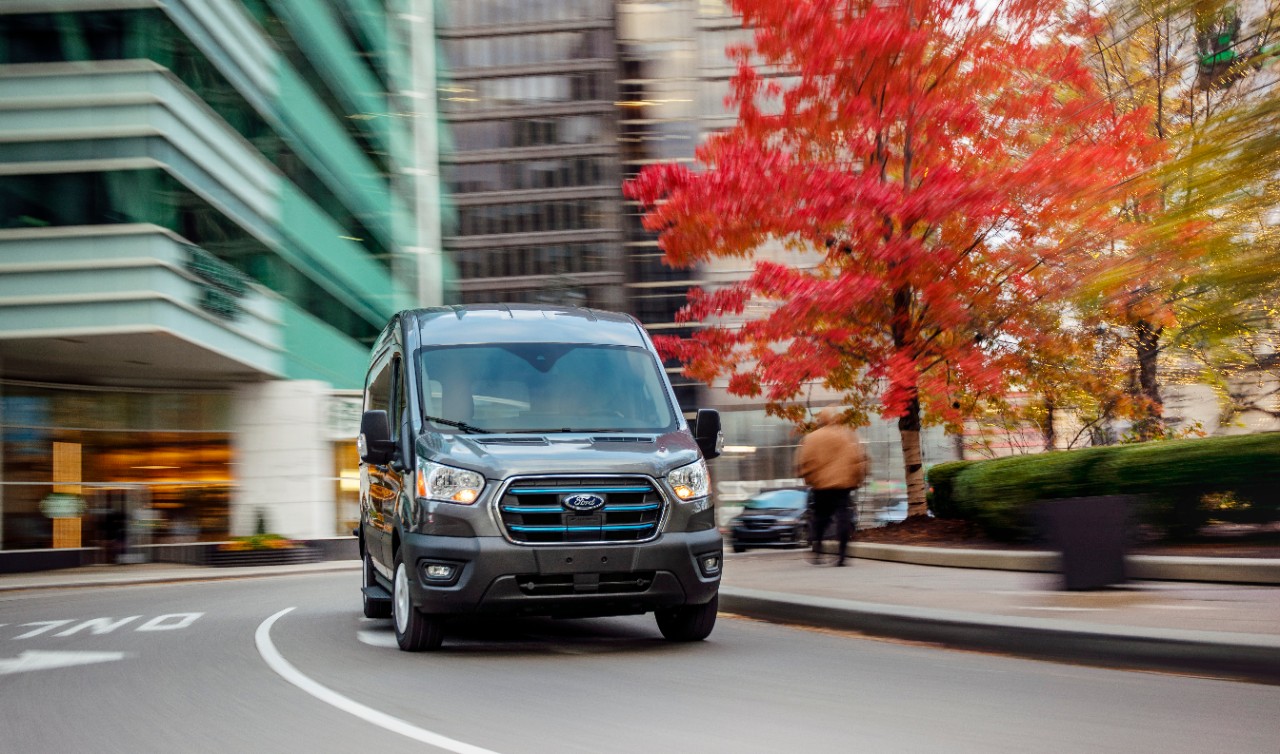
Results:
x,y
492,575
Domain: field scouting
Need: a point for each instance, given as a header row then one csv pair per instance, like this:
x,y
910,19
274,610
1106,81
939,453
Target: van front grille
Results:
x,y
533,509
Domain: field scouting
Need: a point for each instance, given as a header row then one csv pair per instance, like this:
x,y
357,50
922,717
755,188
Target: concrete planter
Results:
x,y
285,556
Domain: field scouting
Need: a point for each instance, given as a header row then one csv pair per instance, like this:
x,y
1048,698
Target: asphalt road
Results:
x,y
206,667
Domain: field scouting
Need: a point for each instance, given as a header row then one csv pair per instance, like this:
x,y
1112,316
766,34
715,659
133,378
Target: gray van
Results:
x,y
531,461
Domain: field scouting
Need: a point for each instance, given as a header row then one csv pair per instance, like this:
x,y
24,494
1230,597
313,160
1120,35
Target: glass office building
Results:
x,y
208,210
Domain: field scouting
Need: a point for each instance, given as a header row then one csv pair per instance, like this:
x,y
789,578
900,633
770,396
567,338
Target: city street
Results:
x,y
288,664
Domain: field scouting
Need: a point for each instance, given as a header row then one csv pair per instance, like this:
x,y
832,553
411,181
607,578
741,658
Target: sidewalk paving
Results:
x,y
1224,630
1245,609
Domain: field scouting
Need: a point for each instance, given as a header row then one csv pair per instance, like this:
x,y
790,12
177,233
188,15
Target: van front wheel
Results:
x,y
415,632
689,622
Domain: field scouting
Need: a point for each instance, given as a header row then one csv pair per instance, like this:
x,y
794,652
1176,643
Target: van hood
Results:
x,y
501,456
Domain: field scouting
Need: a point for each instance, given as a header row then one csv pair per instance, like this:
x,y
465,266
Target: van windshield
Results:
x,y
543,387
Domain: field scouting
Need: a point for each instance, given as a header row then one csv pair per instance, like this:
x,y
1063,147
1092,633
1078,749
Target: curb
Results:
x,y
1144,567
1249,657
197,573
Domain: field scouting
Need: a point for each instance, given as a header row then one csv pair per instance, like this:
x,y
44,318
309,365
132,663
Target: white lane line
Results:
x,y
383,639
287,671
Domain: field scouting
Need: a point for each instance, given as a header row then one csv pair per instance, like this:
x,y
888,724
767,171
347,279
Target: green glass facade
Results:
x,y
199,197
330,235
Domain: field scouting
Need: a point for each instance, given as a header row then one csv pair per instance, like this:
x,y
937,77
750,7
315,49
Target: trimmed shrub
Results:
x,y
997,495
1175,477
1181,483
941,479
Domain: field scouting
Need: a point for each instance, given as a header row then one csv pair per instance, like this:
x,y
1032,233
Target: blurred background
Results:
x,y
209,209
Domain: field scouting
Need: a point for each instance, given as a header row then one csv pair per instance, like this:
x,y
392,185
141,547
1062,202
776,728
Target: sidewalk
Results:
x,y
1223,630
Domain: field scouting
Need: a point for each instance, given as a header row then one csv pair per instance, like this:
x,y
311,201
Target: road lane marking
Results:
x,y
383,639
170,622
49,625
99,626
34,659
284,669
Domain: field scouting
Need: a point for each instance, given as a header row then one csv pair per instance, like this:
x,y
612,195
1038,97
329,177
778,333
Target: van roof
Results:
x,y
523,323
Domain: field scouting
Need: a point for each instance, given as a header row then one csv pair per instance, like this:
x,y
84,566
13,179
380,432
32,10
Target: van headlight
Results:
x,y
439,482
690,482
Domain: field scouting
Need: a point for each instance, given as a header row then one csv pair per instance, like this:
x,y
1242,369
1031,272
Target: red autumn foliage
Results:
x,y
942,156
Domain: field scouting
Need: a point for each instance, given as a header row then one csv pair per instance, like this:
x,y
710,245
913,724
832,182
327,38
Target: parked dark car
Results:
x,y
893,511
771,519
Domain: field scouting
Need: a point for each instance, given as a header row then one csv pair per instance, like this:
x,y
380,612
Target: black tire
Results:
x,y
689,622
739,547
373,608
415,632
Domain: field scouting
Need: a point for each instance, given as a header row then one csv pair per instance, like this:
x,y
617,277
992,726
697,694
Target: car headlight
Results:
x,y
439,482
690,482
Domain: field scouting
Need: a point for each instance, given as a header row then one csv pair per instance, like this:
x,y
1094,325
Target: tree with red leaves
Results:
x,y
946,160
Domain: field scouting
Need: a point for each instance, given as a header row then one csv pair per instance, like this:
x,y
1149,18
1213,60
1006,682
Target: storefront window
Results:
x,y
347,487
160,462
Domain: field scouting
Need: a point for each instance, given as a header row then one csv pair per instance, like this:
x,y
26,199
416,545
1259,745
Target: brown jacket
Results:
x,y
831,456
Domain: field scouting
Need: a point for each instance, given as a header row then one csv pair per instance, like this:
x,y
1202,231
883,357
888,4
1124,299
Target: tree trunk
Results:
x,y
909,421
913,459
1147,347
1050,436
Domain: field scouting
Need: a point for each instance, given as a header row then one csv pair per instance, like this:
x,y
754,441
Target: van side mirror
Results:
x,y
707,432
374,443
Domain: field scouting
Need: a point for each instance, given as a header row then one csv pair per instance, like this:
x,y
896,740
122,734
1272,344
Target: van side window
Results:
x,y
377,395
399,397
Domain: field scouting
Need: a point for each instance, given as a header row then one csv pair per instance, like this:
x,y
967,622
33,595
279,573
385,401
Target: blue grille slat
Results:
x,y
605,527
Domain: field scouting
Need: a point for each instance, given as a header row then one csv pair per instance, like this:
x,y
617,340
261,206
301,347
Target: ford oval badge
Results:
x,y
583,502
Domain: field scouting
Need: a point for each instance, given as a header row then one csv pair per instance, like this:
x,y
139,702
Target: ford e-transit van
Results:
x,y
532,461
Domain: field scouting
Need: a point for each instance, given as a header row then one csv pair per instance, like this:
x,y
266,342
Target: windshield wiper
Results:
x,y
556,430
469,428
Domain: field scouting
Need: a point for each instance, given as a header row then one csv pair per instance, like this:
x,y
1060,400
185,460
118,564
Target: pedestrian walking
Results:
x,y
833,463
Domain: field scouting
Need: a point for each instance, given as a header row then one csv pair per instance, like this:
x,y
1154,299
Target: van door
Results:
x,y
398,481
382,489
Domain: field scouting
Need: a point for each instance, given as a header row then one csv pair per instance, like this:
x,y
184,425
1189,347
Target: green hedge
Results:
x,y
1181,483
941,479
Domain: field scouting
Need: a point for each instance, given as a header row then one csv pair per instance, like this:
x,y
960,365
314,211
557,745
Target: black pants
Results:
x,y
828,503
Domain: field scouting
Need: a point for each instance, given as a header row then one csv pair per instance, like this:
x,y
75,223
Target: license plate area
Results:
x,y
583,527
585,559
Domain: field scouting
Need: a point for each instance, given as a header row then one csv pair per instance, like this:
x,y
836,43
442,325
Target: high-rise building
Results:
x,y
531,161
208,210
658,122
